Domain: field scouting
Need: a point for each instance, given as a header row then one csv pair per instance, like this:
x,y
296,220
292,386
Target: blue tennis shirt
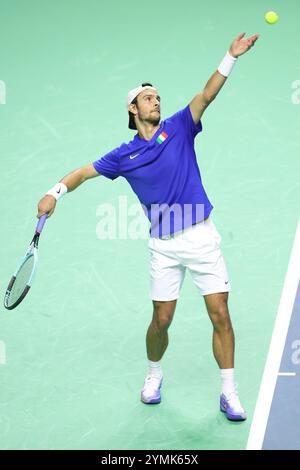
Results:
x,y
164,174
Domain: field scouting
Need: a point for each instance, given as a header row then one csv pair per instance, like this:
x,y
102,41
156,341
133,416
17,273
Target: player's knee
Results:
x,y
162,315
220,317
162,322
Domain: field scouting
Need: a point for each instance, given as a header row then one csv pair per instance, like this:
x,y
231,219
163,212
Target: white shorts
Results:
x,y
196,248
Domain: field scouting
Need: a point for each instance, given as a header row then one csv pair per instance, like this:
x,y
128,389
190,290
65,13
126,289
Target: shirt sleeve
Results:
x,y
109,165
185,119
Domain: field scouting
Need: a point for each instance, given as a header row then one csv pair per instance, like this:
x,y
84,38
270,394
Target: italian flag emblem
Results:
x,y
162,137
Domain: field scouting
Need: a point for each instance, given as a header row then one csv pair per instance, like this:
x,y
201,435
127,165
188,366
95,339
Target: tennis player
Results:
x,y
160,165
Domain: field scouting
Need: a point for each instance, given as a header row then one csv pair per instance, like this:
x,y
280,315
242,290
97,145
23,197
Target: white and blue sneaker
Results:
x,y
231,405
151,390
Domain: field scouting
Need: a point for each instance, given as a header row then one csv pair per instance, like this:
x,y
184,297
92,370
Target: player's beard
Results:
x,y
153,119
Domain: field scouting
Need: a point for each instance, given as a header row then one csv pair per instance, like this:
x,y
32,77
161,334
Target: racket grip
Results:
x,y
40,224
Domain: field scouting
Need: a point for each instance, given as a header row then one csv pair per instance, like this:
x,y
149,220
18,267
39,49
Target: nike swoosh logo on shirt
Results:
x,y
133,156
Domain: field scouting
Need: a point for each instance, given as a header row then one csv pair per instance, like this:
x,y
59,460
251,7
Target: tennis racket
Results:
x,y
21,281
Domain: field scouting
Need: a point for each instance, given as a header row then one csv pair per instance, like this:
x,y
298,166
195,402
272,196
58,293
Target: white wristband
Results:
x,y
227,64
58,190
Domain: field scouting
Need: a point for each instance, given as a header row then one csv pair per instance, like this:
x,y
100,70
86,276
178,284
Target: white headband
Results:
x,y
136,91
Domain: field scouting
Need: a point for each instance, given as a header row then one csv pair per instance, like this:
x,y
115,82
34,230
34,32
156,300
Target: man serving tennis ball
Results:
x,y
161,167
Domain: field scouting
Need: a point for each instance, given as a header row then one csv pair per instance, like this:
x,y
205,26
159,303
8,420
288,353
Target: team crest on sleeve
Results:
x,y
162,137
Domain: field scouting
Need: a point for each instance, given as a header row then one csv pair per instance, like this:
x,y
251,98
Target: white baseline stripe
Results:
x,y
287,374
266,391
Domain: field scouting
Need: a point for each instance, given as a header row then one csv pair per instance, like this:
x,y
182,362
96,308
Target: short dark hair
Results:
x,y
131,124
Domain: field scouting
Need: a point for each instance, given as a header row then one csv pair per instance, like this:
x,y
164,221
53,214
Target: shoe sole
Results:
x,y
152,402
233,417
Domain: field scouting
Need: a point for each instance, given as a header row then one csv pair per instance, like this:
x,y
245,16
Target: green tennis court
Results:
x,y
72,355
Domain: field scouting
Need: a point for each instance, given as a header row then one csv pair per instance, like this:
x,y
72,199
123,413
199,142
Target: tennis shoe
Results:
x,y
151,390
231,405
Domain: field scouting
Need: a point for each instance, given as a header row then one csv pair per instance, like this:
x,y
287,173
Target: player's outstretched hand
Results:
x,y
240,45
46,206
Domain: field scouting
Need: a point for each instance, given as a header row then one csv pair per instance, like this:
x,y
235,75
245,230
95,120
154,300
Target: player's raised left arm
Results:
x,y
199,103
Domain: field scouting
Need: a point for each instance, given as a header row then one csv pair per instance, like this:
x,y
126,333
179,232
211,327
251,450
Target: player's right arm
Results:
x,y
72,181
76,177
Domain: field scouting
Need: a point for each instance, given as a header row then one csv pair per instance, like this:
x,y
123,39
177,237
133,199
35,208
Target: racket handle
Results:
x,y
40,224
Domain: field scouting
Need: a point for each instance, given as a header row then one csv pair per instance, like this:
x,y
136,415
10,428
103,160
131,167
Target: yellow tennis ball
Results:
x,y
271,17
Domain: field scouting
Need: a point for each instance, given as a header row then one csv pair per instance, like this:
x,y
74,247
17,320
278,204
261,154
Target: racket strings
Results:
x,y
22,279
